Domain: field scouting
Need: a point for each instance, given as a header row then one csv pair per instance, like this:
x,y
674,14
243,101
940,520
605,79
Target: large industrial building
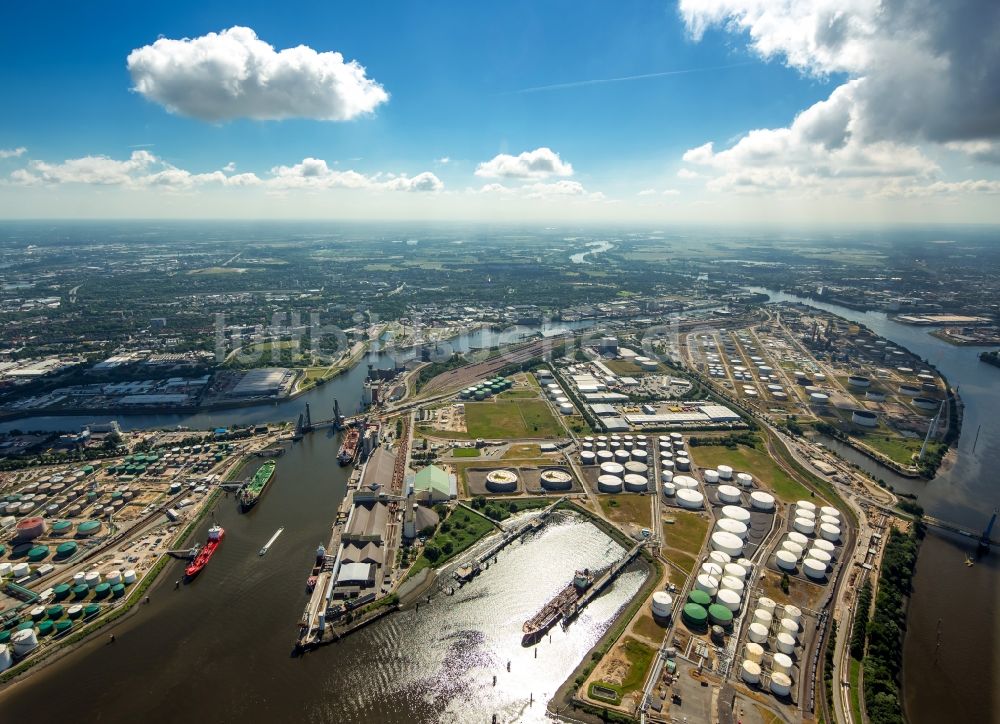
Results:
x,y
268,382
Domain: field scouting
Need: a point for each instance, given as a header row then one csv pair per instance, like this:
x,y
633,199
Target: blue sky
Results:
x,y
455,75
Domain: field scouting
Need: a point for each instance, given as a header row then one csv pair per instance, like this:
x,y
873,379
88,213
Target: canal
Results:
x,y
952,649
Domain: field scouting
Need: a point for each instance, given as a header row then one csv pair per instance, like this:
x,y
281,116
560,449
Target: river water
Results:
x,y
952,675
220,648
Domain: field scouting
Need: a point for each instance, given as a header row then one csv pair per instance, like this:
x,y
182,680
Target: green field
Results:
x,y
856,690
465,452
756,462
627,509
454,535
639,656
900,449
684,538
506,420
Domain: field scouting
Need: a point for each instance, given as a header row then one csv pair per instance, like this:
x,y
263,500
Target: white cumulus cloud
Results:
x,y
538,164
13,152
234,74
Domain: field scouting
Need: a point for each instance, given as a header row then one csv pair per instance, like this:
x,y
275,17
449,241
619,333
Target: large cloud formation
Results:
x,y
234,74
918,72
538,164
143,170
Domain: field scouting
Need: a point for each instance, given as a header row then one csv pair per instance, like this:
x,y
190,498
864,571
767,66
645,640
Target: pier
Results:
x,y
601,583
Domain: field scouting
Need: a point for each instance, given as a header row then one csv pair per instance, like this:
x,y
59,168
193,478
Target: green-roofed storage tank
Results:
x,y
38,553
91,609
63,626
695,614
61,526
720,614
102,590
62,591
699,597
45,628
118,590
88,469
88,527
3,550
55,611
65,550
80,592
25,625
4,637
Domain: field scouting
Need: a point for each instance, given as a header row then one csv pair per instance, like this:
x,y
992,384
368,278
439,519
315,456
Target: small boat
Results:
x,y
267,546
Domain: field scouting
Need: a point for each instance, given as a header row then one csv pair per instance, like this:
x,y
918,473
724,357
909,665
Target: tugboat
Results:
x,y
252,491
215,535
536,626
349,448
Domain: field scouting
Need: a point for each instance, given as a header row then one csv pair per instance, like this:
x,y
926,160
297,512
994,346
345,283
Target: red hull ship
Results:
x,y
215,535
349,448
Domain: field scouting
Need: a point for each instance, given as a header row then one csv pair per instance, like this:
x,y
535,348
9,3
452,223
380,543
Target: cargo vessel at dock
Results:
x,y
561,605
215,535
251,492
349,448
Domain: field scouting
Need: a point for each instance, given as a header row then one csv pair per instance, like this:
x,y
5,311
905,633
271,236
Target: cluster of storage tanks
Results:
x,y
555,393
718,590
46,497
486,389
623,461
675,462
801,545
779,627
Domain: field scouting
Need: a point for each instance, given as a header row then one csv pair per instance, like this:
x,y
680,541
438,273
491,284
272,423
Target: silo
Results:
x,y
710,476
781,684
785,642
726,542
754,652
725,472
750,671
829,532
805,526
663,604
759,500
757,632
728,494
781,663
730,599
690,499
786,561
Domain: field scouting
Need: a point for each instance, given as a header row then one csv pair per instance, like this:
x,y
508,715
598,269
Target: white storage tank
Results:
x,y
768,604
792,612
690,499
612,469
754,652
736,570
781,663
725,472
587,458
635,483
792,547
757,632
829,532
781,684
605,456
728,543
5,569
805,526
729,598
829,520
666,476
805,505
113,577
785,642
6,660
829,510
820,555
24,642
733,526
636,468
711,568
663,604
711,476
609,484
719,557
807,514
682,463
759,500
639,455
785,560
128,577
92,579
814,568
735,512
685,481
728,493
750,672
798,538
744,479
824,545
790,626
732,583
763,617
708,584
20,570
669,489
621,456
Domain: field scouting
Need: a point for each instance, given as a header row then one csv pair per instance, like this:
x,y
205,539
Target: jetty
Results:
x,y
601,583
